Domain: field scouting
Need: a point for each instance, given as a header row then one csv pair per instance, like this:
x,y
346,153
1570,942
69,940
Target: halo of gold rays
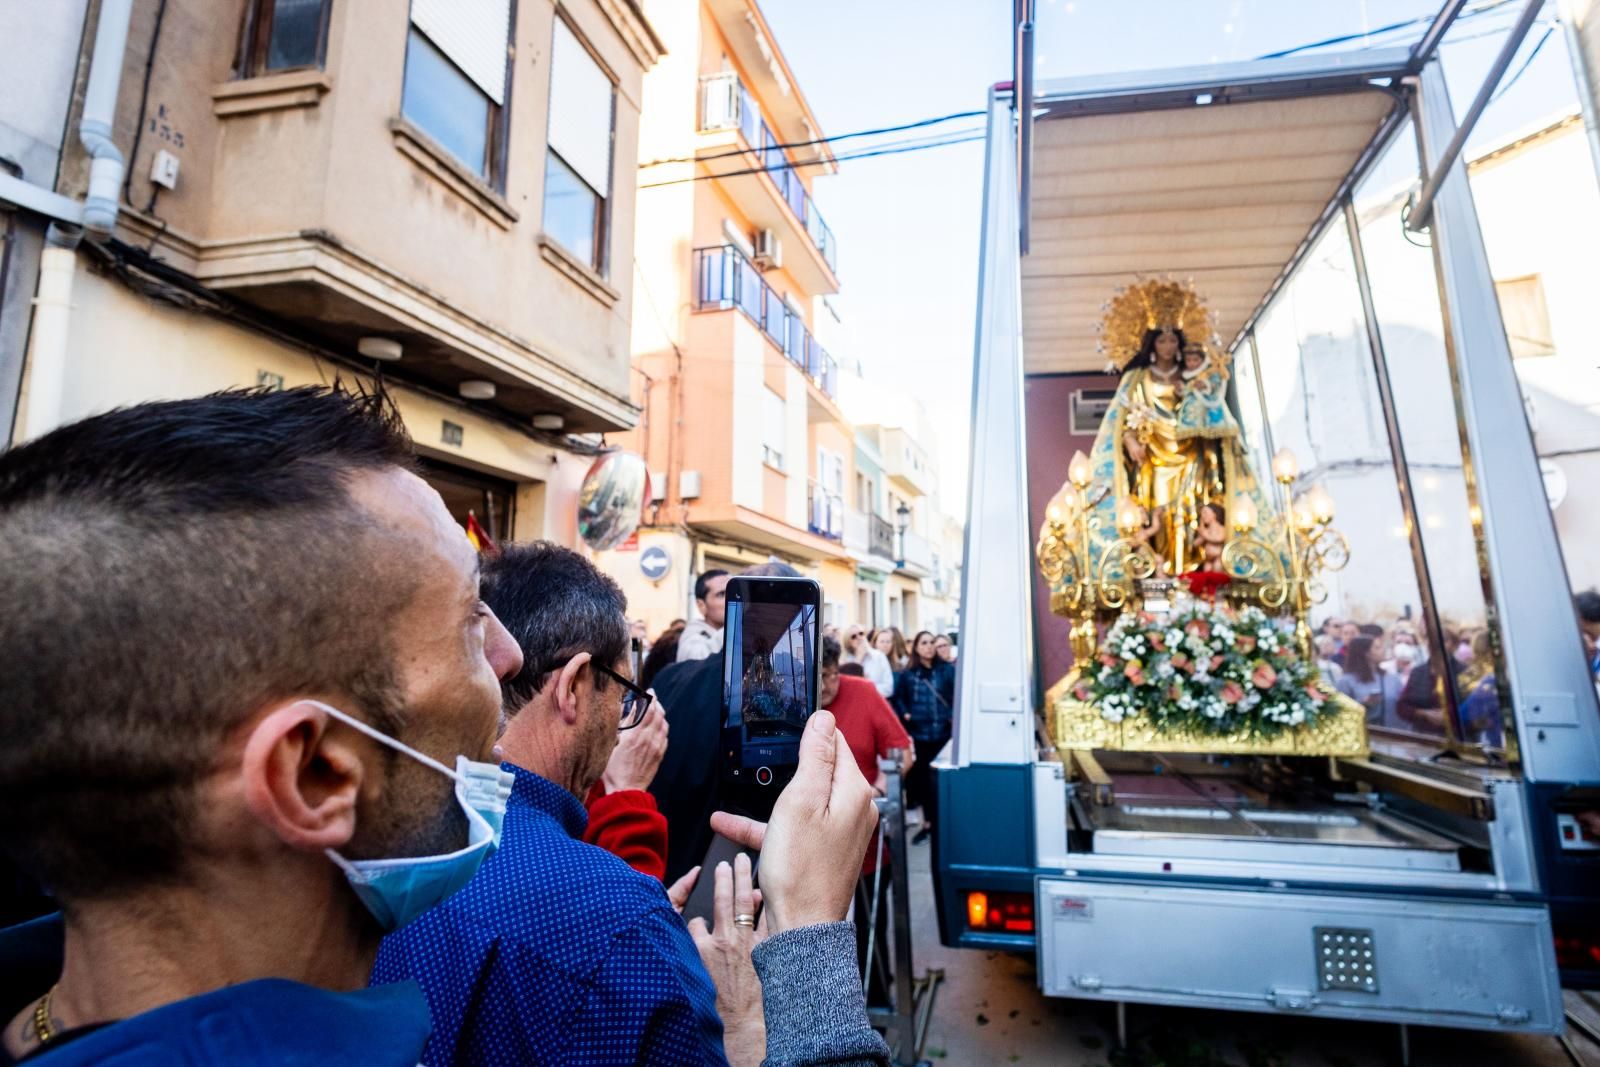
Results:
x,y
1149,304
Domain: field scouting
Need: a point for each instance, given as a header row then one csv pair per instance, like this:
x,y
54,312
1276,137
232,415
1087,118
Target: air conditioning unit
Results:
x,y
769,250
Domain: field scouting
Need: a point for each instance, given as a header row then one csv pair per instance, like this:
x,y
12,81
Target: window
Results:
x,y
577,185
866,494
774,429
283,35
456,80
1526,317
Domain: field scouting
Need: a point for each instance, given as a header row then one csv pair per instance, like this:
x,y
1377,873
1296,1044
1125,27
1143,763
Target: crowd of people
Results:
x,y
1391,672
308,780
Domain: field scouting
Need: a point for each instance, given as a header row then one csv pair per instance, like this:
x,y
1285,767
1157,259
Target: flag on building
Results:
x,y
479,536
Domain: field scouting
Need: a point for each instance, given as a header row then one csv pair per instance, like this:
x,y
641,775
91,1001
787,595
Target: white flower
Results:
x,y
1164,669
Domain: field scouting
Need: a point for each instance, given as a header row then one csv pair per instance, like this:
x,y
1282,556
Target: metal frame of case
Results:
x,y
1240,925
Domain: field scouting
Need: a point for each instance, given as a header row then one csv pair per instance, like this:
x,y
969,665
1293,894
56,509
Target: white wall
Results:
x,y
1540,213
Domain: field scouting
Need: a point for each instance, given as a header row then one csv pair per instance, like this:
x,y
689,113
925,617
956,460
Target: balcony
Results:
x,y
916,554
907,463
725,279
870,540
880,537
824,512
764,181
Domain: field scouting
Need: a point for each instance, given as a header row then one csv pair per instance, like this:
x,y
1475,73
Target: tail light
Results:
x,y
1572,953
1010,913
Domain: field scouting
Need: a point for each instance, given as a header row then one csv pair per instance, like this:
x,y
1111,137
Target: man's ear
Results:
x,y
568,700
300,780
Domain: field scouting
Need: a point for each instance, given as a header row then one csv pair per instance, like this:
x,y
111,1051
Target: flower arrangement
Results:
x,y
1208,669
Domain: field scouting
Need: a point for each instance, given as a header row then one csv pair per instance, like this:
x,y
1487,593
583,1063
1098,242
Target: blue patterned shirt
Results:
x,y
557,952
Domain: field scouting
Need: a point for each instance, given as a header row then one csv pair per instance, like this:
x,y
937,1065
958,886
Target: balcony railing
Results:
x,y
725,279
824,512
725,104
880,537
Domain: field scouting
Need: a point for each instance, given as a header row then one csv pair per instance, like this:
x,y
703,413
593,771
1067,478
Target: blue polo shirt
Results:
x,y
557,952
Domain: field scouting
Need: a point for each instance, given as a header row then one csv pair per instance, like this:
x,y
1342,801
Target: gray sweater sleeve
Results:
x,y
814,1008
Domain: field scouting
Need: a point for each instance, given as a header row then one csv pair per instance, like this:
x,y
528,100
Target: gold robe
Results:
x,y
1177,476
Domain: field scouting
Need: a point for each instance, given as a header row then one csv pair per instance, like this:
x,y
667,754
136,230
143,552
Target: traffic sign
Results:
x,y
654,563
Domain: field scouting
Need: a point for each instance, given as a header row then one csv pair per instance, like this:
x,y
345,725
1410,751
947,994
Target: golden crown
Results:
x,y
1152,304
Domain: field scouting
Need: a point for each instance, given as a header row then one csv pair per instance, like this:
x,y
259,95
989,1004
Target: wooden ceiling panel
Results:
x,y
1218,195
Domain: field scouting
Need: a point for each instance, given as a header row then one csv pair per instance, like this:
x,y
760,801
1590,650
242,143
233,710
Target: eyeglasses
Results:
x,y
635,701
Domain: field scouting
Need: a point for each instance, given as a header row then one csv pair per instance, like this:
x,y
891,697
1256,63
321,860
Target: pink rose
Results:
x,y
1080,691
1264,676
1107,660
1198,628
1232,693
1157,644
1315,694
1134,670
1244,643
1217,661
1180,662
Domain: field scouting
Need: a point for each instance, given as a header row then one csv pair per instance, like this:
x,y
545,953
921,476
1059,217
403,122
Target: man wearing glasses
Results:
x,y
558,952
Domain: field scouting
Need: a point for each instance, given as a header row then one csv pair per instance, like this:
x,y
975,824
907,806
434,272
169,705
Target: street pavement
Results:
x,y
990,1011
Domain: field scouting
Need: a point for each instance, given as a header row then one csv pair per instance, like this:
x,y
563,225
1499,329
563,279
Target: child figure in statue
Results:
x,y
1204,409
1213,536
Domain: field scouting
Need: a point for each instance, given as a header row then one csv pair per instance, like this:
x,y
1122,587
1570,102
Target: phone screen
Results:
x,y
772,648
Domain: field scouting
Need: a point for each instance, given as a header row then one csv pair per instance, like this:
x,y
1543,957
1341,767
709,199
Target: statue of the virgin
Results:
x,y
1168,443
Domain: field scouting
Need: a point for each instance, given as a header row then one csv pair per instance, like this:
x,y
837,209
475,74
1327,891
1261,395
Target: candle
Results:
x,y
1078,470
1284,466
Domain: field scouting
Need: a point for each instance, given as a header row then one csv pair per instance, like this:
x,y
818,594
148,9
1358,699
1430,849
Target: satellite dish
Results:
x,y
611,502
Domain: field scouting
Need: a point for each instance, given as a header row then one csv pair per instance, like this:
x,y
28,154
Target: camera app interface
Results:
x,y
771,677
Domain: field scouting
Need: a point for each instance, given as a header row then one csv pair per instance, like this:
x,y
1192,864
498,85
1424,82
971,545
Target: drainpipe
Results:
x,y
47,339
99,113
52,311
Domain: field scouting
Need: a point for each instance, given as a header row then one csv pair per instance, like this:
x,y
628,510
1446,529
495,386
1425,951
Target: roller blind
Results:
x,y
474,34
580,110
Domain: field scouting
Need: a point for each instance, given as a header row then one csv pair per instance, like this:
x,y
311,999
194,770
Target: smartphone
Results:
x,y
772,656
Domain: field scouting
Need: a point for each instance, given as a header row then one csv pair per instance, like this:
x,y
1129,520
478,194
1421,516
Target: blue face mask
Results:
x,y
397,890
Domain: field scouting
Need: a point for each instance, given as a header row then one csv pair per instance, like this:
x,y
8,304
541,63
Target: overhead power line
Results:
x,y
1483,8
918,124
962,138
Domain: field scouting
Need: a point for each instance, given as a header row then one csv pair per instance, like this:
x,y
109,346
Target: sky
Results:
x,y
908,224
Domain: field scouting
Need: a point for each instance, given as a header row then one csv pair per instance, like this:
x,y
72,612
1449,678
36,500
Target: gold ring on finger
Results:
x,y
747,921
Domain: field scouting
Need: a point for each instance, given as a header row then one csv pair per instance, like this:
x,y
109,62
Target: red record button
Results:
x,y
763,776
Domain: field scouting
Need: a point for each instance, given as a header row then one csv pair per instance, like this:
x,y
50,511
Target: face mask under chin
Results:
x,y
397,889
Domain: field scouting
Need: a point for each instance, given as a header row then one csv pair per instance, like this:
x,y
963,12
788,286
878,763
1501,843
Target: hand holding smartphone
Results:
x,y
772,655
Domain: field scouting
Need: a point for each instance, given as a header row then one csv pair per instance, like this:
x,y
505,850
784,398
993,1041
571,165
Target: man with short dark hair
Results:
x,y
703,637
277,759
559,952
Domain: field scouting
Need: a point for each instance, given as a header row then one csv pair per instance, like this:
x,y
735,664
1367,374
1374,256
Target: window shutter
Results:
x,y
474,34
580,110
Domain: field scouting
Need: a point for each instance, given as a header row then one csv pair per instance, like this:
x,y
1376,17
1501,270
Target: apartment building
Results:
x,y
435,193
740,424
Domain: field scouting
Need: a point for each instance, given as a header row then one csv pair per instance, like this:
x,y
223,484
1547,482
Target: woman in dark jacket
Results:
x,y
925,697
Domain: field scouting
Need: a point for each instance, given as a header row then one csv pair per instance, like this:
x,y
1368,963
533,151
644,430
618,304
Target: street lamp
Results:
x,y
903,513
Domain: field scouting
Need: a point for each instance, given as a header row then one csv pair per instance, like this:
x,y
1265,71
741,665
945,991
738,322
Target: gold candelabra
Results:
x,y
1287,575
1066,554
